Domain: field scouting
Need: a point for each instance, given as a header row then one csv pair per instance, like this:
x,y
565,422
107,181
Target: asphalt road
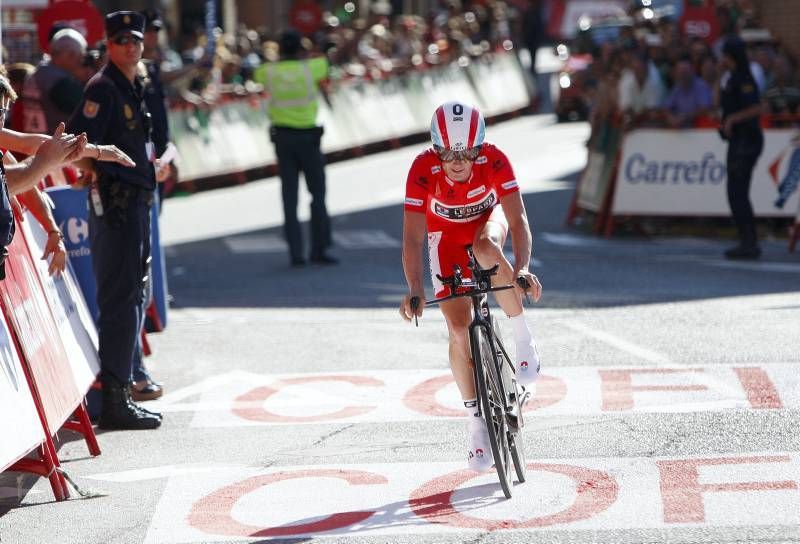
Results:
x,y
300,408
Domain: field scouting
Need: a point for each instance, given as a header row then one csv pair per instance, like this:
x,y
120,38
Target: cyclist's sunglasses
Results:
x,y
125,39
448,155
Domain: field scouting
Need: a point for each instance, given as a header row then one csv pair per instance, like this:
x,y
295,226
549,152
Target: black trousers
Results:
x,y
299,150
120,240
742,156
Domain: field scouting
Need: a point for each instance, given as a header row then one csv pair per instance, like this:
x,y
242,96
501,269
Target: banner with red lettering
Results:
x,y
70,312
31,318
683,173
20,428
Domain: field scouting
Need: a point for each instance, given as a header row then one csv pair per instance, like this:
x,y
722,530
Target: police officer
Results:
x,y
113,111
741,109
292,85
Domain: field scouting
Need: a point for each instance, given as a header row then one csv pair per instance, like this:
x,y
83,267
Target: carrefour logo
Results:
x,y
76,233
639,169
77,230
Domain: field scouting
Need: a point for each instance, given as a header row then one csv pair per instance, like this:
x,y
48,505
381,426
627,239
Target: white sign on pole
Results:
x,y
20,427
683,173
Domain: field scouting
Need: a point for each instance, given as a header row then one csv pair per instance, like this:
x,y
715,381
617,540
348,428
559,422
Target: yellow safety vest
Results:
x,y
292,87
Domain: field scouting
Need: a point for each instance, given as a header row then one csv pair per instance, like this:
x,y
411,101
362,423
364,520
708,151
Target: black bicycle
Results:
x,y
500,398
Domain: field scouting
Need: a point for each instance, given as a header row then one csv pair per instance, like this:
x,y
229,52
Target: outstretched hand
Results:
x,y
55,248
59,148
118,156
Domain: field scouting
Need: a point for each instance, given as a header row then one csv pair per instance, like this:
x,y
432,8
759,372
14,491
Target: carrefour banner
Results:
x,y
682,173
75,323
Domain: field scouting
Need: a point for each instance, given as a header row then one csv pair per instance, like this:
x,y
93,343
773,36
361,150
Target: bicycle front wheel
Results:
x,y
514,427
491,394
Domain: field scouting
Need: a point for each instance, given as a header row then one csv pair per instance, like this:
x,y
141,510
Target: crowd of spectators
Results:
x,y
653,74
372,45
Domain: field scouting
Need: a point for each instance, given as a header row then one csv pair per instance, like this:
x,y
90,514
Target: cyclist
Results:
x,y
452,193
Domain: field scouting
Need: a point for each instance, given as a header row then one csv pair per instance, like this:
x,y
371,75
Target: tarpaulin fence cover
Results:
x,y
233,135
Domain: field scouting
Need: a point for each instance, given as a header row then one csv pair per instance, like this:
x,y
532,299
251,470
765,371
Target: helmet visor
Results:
x,y
449,155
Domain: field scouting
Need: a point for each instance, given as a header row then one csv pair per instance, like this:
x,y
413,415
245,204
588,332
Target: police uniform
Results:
x,y
745,144
292,86
113,111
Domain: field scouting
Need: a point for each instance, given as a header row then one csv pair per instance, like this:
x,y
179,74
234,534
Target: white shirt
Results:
x,y
638,98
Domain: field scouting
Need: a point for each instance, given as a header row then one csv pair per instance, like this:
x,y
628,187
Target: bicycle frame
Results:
x,y
481,318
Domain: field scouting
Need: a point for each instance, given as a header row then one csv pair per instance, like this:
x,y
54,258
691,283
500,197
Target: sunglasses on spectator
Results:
x,y
449,155
125,39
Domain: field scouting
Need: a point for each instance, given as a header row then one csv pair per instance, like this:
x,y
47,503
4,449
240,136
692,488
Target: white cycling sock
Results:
x,y
471,406
522,334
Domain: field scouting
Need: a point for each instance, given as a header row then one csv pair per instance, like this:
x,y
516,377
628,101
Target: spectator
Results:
x,y
708,72
640,89
533,32
17,74
689,97
783,95
23,176
114,111
54,90
292,84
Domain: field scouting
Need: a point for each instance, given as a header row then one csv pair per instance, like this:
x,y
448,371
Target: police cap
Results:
x,y
152,20
124,21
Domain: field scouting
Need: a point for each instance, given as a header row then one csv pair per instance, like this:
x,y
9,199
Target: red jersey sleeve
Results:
x,y
417,186
502,174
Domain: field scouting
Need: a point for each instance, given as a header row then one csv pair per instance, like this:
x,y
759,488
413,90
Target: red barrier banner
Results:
x,y
75,325
20,428
32,320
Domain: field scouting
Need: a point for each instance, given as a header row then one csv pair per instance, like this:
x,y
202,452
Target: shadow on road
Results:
x,y
251,270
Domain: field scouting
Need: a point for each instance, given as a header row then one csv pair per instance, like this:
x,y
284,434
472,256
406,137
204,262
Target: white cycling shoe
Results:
x,y
528,364
480,450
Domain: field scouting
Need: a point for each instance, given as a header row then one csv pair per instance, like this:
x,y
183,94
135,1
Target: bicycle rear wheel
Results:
x,y
493,407
514,431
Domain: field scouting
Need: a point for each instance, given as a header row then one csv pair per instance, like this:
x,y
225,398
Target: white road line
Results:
x,y
345,239
786,268
364,239
262,243
572,240
390,501
619,343
159,472
240,399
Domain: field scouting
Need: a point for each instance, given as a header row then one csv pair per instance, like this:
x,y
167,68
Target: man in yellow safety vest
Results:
x,y
292,85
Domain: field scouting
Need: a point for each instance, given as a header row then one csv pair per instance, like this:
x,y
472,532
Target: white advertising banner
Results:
x,y
683,173
20,427
75,325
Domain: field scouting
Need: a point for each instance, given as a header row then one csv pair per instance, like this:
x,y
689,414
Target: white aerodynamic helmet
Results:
x,y
457,126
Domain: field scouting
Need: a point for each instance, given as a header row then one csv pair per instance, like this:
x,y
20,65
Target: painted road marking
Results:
x,y
346,239
788,268
246,503
247,399
619,343
259,243
364,239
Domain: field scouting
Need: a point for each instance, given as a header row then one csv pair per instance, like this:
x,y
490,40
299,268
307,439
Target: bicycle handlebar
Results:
x,y
473,291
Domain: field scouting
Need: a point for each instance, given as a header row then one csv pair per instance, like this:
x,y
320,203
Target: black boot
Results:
x,y
748,244
119,412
